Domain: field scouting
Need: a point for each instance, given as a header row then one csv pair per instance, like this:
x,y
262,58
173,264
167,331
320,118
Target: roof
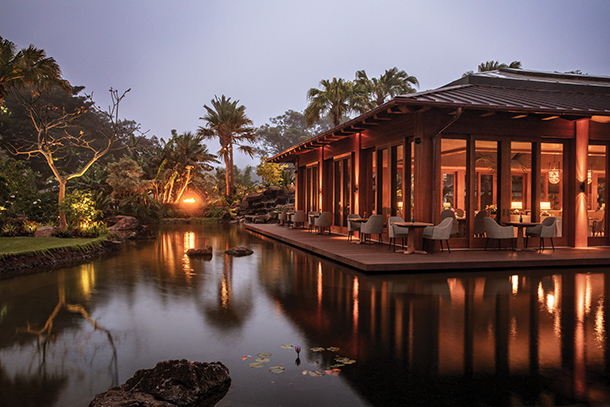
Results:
x,y
512,90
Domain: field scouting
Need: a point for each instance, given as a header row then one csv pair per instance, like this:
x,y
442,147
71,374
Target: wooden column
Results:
x,y
581,221
426,178
504,181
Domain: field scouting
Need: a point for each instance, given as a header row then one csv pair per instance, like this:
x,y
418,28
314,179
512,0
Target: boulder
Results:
x,y
239,251
122,222
170,383
200,251
140,232
45,231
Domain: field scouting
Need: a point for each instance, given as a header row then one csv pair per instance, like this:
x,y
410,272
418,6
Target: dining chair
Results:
x,y
325,220
373,226
395,231
352,226
298,218
545,229
497,232
440,232
311,218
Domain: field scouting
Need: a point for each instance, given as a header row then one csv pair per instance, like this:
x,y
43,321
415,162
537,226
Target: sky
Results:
x,y
176,56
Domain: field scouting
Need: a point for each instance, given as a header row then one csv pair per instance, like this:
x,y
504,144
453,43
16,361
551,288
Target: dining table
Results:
x,y
520,232
411,237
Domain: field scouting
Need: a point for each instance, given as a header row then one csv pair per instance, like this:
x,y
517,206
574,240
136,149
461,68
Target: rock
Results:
x,y
170,383
200,251
44,231
113,245
122,223
239,251
140,232
226,216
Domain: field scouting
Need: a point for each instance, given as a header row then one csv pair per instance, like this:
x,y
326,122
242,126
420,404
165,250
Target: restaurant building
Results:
x,y
512,143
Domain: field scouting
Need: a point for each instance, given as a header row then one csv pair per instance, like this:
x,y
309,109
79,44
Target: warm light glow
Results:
x,y
446,205
516,205
514,281
189,200
356,310
554,173
545,206
589,176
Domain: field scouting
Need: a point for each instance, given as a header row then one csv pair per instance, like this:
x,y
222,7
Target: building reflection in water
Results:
x,y
548,330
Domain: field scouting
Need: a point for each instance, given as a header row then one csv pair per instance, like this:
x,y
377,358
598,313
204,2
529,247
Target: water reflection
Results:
x,y
497,338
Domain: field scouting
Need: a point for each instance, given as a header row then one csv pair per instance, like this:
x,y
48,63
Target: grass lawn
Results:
x,y
21,244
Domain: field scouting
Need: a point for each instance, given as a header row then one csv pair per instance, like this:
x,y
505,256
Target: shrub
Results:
x,y
10,229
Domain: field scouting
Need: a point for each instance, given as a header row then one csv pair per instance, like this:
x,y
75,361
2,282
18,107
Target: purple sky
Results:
x,y
175,56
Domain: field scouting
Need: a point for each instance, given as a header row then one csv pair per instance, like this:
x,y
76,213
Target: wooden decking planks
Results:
x,y
376,258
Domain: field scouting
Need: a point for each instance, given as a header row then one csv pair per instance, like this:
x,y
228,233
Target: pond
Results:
x,y
533,337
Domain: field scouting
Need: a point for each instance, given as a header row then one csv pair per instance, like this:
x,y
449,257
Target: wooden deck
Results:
x,y
377,258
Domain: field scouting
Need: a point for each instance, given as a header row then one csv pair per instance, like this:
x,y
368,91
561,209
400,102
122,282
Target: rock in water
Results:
x,y
239,251
170,383
200,251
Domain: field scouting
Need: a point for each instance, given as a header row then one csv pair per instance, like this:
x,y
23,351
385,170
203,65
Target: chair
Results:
x,y
395,231
598,227
311,218
298,217
440,232
352,226
325,220
448,213
479,224
546,229
497,232
282,218
373,226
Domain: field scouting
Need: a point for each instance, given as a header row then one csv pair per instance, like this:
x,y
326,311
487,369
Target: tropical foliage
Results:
x,y
27,67
377,91
494,66
337,98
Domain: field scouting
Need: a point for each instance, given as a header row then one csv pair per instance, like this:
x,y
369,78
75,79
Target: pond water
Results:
x,y
537,337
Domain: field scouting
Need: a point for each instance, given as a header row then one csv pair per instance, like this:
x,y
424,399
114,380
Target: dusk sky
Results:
x,y
175,56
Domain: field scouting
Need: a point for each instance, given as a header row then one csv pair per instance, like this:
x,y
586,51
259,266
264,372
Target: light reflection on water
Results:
x,y
498,338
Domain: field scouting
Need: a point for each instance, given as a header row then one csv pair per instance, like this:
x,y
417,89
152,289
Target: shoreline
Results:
x,y
14,265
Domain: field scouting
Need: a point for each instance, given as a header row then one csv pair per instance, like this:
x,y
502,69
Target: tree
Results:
x,y
494,66
271,173
183,157
284,132
332,100
227,121
377,91
54,141
27,67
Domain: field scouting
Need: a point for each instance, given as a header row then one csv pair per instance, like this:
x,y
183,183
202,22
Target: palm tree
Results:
x,y
495,65
27,67
392,83
333,100
181,159
227,121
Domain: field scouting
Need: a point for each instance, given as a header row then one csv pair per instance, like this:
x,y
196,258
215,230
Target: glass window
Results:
x,y
486,167
551,183
596,189
453,179
520,171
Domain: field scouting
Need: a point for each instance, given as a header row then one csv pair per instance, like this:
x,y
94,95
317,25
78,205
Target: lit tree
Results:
x,y
54,141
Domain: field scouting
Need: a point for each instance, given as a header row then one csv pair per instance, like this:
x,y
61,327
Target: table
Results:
x,y
411,235
520,226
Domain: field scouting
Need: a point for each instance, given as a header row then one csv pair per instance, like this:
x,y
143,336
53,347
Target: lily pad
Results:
x,y
277,369
345,360
263,360
316,373
264,355
318,349
332,349
336,365
257,365
287,346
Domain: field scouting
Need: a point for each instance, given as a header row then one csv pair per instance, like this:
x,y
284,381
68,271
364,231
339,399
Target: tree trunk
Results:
x,y
63,224
231,177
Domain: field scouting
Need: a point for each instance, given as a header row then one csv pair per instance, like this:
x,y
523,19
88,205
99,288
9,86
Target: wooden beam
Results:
x,y
400,109
487,114
376,117
519,116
